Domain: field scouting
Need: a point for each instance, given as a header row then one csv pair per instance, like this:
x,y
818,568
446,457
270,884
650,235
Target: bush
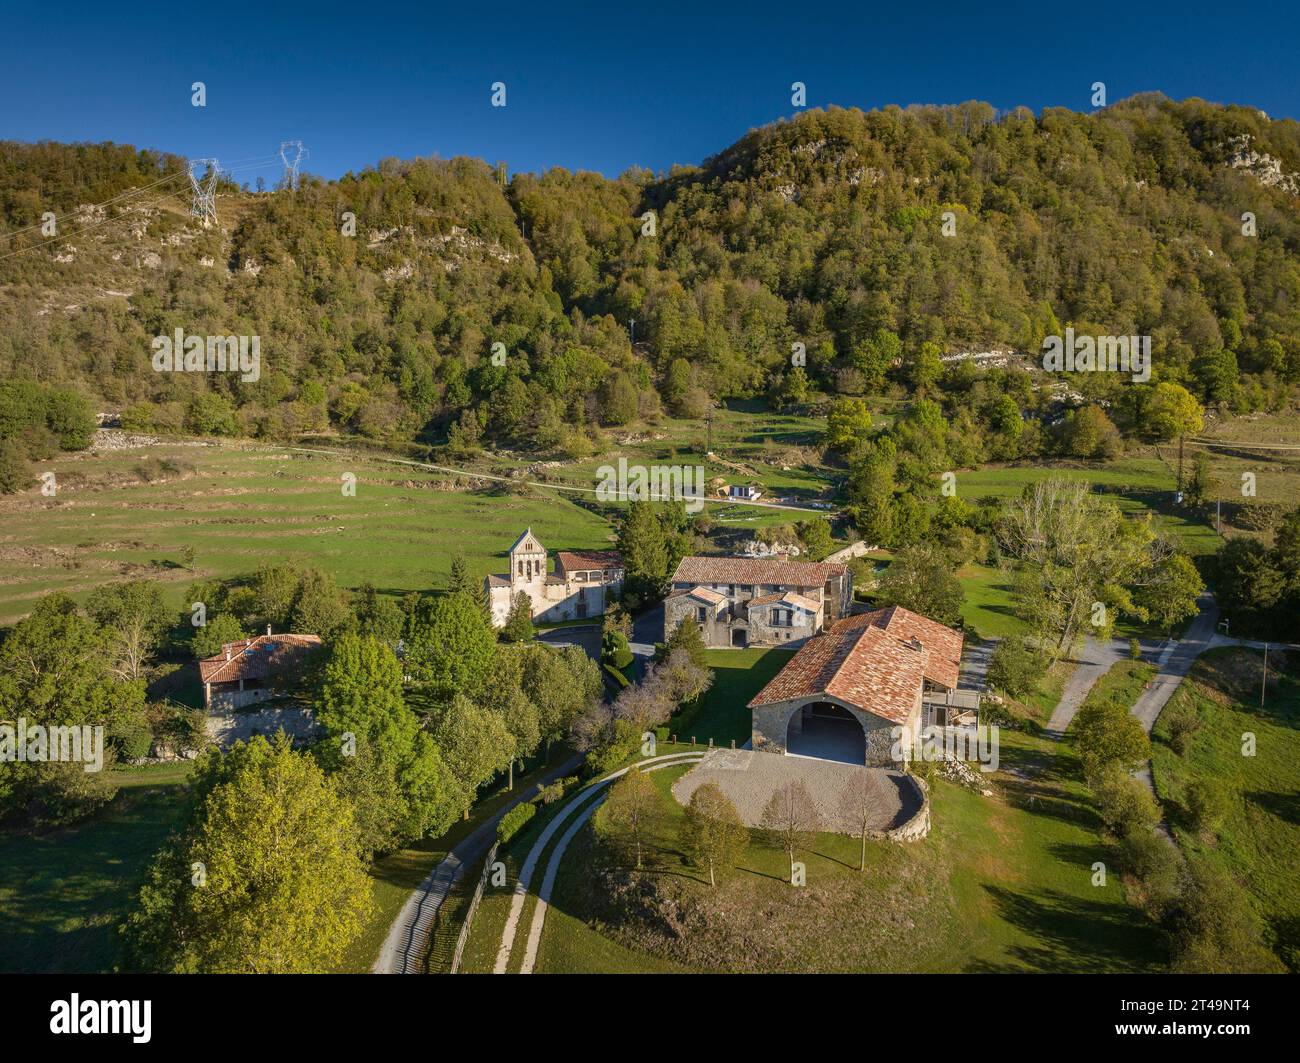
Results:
x,y
15,474
1182,723
1107,733
1016,667
1207,804
1214,928
1134,650
133,739
514,820
551,793
1125,804
1156,869
614,649
626,741
619,678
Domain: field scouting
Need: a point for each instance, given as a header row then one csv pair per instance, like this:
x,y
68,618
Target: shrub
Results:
x,y
1134,650
15,474
1125,804
1016,667
1207,804
1182,723
551,793
614,649
1214,928
513,821
1105,734
1156,869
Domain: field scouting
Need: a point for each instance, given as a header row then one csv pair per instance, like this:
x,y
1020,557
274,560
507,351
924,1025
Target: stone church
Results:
x,y
580,587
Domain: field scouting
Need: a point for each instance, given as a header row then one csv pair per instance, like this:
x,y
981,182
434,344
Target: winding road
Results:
x,y
582,800
407,943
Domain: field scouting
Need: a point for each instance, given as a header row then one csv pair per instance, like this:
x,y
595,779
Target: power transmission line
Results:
x,y
204,192
108,202
291,166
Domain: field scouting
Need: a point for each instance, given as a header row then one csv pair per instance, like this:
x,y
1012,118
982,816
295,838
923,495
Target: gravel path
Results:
x,y
1177,663
405,946
1095,660
535,854
750,779
553,867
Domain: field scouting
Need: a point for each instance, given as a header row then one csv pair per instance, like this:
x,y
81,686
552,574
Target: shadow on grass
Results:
x,y
1285,806
1076,936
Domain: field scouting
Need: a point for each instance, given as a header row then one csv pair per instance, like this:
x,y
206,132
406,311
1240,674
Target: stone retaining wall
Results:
x,y
918,826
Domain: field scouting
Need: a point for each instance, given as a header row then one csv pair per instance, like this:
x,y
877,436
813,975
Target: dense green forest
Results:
x,y
826,230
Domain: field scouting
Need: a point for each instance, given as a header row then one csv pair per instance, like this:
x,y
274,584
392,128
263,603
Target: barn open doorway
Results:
x,y
828,732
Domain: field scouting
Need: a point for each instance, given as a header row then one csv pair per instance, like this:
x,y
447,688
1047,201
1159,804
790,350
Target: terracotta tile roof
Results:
x,y
705,594
751,570
942,644
875,661
256,658
579,560
786,598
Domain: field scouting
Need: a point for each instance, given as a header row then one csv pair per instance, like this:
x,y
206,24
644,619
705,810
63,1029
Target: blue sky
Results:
x,y
593,86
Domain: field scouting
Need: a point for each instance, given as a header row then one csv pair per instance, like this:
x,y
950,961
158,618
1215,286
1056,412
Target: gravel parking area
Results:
x,y
750,779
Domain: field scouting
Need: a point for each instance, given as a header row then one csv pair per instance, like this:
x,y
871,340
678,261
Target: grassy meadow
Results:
x,y
1000,884
64,893
132,514
1259,836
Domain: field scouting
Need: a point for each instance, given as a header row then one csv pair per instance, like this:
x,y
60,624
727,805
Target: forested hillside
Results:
x,y
826,230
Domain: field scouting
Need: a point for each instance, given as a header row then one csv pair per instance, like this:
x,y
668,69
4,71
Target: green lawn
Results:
x,y
1123,683
989,606
63,894
721,714
1001,884
1259,839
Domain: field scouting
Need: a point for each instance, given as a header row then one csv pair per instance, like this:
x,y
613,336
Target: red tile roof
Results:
x,y
785,598
583,560
876,661
752,570
256,658
704,594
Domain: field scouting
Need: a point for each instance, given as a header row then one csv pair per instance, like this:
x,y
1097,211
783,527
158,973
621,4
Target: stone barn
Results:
x,y
844,692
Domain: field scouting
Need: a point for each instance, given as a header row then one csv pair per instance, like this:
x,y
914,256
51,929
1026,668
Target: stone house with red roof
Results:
x,y
581,586
246,671
752,601
844,692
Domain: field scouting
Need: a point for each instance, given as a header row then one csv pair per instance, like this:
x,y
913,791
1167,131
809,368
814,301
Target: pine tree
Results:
x,y
460,580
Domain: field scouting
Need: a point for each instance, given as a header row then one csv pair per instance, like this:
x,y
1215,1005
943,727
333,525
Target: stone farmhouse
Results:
x,y
581,586
246,671
748,601
842,694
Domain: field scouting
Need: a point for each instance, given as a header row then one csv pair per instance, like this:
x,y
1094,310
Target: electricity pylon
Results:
x,y
291,166
204,202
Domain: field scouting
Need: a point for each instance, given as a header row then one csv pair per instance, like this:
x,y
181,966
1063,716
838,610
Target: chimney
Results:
x,y
227,653
268,629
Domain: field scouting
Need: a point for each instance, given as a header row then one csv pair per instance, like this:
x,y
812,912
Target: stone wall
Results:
x,y
715,632
918,826
771,723
763,633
